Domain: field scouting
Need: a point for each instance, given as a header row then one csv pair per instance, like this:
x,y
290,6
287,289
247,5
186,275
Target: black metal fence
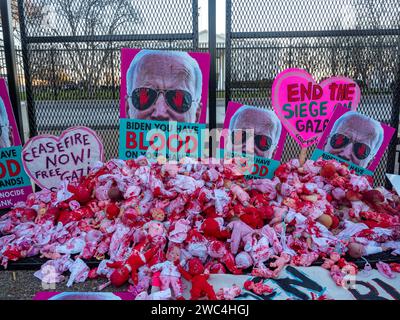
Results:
x,y
9,57
72,60
219,66
359,39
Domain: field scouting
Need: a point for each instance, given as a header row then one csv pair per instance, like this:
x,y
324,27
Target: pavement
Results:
x,y
22,285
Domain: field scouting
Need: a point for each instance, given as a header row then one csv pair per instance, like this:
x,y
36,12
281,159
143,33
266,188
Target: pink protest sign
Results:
x,y
354,138
49,160
15,185
9,132
305,107
164,85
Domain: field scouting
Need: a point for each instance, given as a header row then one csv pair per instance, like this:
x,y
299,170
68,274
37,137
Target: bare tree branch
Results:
x,y
87,61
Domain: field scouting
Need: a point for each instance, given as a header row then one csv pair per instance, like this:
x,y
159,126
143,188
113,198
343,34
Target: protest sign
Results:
x,y
154,139
48,159
305,107
294,283
264,143
79,295
315,283
355,139
14,183
157,88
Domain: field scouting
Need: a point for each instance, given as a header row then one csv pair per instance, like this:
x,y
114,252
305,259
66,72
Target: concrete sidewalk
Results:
x,y
22,285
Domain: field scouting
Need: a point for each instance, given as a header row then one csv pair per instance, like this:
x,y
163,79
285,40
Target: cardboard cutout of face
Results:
x,y
266,125
355,138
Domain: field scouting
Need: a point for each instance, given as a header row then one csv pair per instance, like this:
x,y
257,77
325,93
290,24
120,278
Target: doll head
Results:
x,y
173,253
115,194
356,250
155,228
158,214
119,276
216,249
243,260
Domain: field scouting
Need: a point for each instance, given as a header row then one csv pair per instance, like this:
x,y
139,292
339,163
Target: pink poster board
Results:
x,y
15,185
234,108
7,115
165,70
360,137
49,159
46,295
305,107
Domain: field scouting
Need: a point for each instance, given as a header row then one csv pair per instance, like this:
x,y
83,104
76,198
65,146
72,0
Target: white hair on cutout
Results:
x,y
3,114
271,114
4,133
183,56
376,124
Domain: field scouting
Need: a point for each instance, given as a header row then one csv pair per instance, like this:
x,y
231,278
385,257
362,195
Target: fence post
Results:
x,y
53,75
212,39
394,121
12,81
114,94
195,15
228,52
28,81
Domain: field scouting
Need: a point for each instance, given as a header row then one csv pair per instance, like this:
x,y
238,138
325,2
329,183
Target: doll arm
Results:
x,y
184,273
114,265
156,267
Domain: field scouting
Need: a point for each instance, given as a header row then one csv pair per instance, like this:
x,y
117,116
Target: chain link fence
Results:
x,y
359,39
18,51
71,52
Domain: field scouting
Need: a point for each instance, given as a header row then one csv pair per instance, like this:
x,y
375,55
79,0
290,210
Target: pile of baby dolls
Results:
x,y
151,225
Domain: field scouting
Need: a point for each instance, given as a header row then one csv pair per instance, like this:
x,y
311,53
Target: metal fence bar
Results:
x,y
219,66
228,52
315,34
344,46
391,164
212,35
109,38
195,22
27,71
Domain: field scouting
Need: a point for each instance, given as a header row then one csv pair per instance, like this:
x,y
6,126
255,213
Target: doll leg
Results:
x,y
229,262
195,292
156,282
176,285
209,290
165,282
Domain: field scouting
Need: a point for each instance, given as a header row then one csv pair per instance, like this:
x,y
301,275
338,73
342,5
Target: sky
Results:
x,y
158,16
290,15
203,15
